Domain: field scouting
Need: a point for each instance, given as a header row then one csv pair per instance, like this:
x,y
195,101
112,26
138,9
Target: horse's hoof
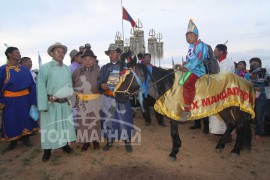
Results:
x,y
234,155
235,152
219,150
171,158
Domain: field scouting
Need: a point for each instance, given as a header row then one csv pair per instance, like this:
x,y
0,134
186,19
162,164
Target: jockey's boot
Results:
x,y
67,149
197,125
85,146
47,154
96,145
12,145
128,146
108,146
26,141
185,115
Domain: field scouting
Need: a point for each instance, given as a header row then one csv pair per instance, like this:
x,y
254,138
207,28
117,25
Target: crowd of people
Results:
x,y
76,103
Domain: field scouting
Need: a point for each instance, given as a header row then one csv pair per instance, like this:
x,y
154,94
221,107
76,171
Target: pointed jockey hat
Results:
x,y
192,28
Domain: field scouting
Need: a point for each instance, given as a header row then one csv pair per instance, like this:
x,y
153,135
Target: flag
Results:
x,y
127,17
39,60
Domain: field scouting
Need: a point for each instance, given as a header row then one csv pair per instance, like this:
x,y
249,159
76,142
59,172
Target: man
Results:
x,y
117,120
27,62
220,53
76,60
149,101
18,94
216,124
193,67
54,86
87,101
258,76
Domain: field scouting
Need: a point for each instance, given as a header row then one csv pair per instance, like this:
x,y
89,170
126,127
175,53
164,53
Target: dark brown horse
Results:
x,y
161,80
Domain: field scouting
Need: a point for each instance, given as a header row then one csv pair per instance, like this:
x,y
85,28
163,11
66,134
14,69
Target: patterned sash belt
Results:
x,y
58,100
16,94
87,97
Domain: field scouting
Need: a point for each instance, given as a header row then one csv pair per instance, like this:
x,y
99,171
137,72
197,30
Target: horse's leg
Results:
x,y
176,140
243,139
230,123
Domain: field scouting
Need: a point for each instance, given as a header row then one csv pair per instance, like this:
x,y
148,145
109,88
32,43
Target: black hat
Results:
x,y
88,53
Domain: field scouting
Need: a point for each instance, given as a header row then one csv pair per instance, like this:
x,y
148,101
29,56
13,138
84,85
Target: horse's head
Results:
x,y
130,82
128,59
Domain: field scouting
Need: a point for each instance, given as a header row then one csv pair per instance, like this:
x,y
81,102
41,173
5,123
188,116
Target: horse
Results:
x,y
159,83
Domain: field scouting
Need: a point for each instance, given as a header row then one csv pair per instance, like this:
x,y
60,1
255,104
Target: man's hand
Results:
x,y
104,86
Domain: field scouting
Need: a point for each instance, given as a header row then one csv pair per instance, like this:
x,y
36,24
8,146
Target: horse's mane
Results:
x,y
162,85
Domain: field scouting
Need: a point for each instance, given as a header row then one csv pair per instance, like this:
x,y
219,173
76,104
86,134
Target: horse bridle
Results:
x,y
140,83
135,76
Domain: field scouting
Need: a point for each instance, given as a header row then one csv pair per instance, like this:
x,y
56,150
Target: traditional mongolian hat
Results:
x,y
56,45
89,53
73,53
192,28
113,47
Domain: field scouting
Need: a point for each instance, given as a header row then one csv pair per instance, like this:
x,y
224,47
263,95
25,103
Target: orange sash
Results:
x,y
16,94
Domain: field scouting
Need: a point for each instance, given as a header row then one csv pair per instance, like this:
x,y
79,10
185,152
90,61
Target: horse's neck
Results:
x,y
152,90
161,81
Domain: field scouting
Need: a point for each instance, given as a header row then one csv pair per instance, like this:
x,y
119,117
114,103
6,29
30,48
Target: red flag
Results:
x,y
127,17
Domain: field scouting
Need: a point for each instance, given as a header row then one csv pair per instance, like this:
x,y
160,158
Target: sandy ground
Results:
x,y
197,159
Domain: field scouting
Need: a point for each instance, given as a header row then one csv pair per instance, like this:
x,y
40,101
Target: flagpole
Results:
x,y
122,20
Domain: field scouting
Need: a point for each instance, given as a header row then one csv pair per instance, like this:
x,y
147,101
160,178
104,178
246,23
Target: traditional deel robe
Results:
x,y
117,120
73,66
195,58
87,103
18,93
56,123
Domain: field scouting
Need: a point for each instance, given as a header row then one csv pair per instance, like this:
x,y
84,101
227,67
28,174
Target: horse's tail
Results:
x,y
245,133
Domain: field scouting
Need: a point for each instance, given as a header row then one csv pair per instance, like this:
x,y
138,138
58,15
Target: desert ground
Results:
x,y
197,158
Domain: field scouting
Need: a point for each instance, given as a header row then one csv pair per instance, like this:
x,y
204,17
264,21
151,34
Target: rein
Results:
x,y
140,83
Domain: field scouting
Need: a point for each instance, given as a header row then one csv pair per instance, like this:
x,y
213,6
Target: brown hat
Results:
x,y
57,44
73,53
89,53
113,47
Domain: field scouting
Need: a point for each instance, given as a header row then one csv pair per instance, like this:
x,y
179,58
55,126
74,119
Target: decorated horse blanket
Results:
x,y
212,96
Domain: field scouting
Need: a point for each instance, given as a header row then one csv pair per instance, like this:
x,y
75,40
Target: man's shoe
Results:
x,y
258,138
26,141
85,146
46,156
96,145
12,145
185,115
67,149
206,131
107,147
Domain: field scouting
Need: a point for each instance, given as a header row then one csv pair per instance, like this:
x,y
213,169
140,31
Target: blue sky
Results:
x,y
34,25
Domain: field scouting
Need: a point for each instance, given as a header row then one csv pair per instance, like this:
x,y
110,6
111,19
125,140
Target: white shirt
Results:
x,y
227,65
34,75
